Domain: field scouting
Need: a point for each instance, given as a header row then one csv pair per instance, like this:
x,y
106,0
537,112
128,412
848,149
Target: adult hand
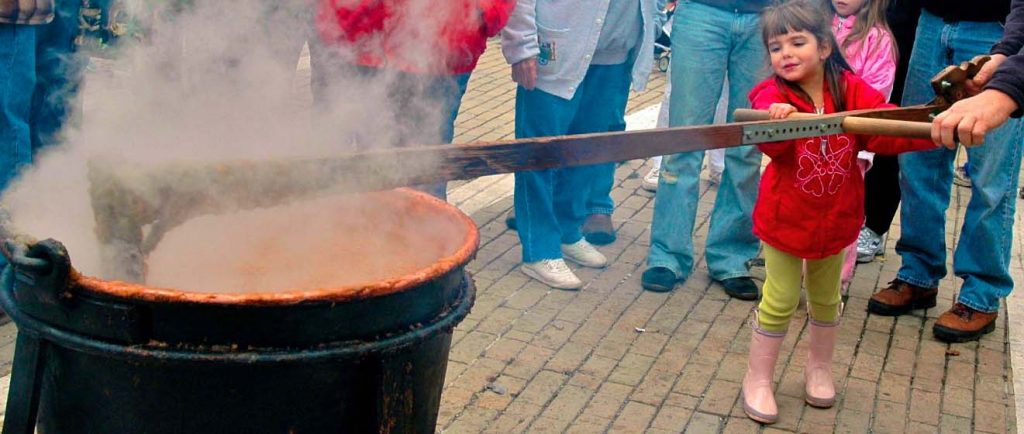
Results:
x,y
970,119
780,110
524,72
976,84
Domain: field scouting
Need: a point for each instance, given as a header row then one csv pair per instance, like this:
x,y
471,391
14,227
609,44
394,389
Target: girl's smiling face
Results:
x,y
798,57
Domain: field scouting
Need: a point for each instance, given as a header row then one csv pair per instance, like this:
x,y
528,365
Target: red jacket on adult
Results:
x,y
811,200
416,36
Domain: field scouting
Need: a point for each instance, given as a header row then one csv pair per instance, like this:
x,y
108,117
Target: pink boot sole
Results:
x,y
756,415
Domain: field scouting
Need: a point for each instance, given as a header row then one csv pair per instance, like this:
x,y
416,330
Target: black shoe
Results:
x,y
742,288
658,279
510,219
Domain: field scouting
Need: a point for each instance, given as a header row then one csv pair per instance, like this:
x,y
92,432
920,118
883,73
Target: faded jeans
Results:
x,y
711,45
982,255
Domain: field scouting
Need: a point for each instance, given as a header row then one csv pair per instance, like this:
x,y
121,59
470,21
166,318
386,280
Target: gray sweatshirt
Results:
x,y
622,30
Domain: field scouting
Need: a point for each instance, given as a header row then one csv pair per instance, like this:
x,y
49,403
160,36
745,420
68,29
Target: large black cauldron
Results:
x,y
96,356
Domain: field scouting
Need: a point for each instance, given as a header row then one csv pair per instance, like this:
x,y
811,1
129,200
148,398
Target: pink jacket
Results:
x,y
872,58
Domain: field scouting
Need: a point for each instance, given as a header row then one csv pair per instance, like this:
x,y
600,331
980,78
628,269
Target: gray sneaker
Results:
x,y
869,245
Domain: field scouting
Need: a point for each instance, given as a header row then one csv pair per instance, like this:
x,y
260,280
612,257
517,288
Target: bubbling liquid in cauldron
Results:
x,y
316,244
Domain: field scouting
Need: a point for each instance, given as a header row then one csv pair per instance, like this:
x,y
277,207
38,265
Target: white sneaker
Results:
x,y
584,253
650,181
553,273
869,245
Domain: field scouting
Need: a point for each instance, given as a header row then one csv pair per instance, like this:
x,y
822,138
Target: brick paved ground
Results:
x,y
614,358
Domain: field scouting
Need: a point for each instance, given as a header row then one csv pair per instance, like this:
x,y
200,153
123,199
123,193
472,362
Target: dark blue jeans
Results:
x,y
982,255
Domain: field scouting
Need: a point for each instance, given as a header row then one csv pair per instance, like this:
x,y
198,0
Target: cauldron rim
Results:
x,y
460,257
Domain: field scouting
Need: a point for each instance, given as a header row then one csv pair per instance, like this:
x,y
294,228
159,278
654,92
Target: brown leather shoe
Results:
x,y
961,324
598,229
901,297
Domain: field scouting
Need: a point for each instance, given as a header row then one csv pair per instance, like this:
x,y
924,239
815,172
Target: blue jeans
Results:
x,y
58,75
447,92
982,254
551,204
17,73
711,43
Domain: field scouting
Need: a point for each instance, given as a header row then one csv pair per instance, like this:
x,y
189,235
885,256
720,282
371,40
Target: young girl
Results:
x,y
811,199
867,43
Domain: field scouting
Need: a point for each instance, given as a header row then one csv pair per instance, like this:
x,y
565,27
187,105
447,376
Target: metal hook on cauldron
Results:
x,y
38,266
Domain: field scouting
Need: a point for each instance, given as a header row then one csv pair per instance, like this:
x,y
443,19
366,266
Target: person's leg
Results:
x,y
703,32
17,73
982,256
650,180
59,71
881,193
731,241
538,114
926,177
602,107
716,157
822,282
771,322
445,92
850,254
781,293
823,301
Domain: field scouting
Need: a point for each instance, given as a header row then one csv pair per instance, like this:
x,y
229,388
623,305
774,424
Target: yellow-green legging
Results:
x,y
781,293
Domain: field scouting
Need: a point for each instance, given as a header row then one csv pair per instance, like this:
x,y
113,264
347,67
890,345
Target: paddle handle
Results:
x,y
852,124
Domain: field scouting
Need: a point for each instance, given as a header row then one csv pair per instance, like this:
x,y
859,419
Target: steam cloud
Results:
x,y
213,82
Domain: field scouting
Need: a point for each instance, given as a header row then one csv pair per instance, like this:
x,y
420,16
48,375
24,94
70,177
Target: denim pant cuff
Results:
x,y
917,282
675,269
605,211
987,308
732,275
572,238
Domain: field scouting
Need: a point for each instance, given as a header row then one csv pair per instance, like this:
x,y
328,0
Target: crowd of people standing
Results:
x,y
821,205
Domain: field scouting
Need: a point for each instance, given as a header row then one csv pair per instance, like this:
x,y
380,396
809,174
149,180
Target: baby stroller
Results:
x,y
663,45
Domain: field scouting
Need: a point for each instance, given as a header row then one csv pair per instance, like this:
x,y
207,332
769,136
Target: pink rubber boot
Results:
x,y
819,389
758,396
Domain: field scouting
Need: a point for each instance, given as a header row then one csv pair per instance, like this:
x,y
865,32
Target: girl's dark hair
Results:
x,y
808,16
870,16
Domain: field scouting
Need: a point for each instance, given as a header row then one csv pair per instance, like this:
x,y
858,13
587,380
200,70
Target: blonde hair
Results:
x,y
870,16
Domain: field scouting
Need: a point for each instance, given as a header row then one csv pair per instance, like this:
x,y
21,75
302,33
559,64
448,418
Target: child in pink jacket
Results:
x,y
867,44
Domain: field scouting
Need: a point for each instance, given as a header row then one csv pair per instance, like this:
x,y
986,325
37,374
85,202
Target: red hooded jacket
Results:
x,y
415,36
811,199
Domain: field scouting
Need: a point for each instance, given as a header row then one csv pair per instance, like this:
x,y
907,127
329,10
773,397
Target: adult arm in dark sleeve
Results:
x,y
1009,79
1013,34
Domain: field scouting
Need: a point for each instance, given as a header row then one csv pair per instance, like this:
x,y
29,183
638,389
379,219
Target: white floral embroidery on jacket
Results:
x,y
824,169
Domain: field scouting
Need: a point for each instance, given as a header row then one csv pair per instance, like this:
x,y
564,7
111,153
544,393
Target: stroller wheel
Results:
x,y
663,63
